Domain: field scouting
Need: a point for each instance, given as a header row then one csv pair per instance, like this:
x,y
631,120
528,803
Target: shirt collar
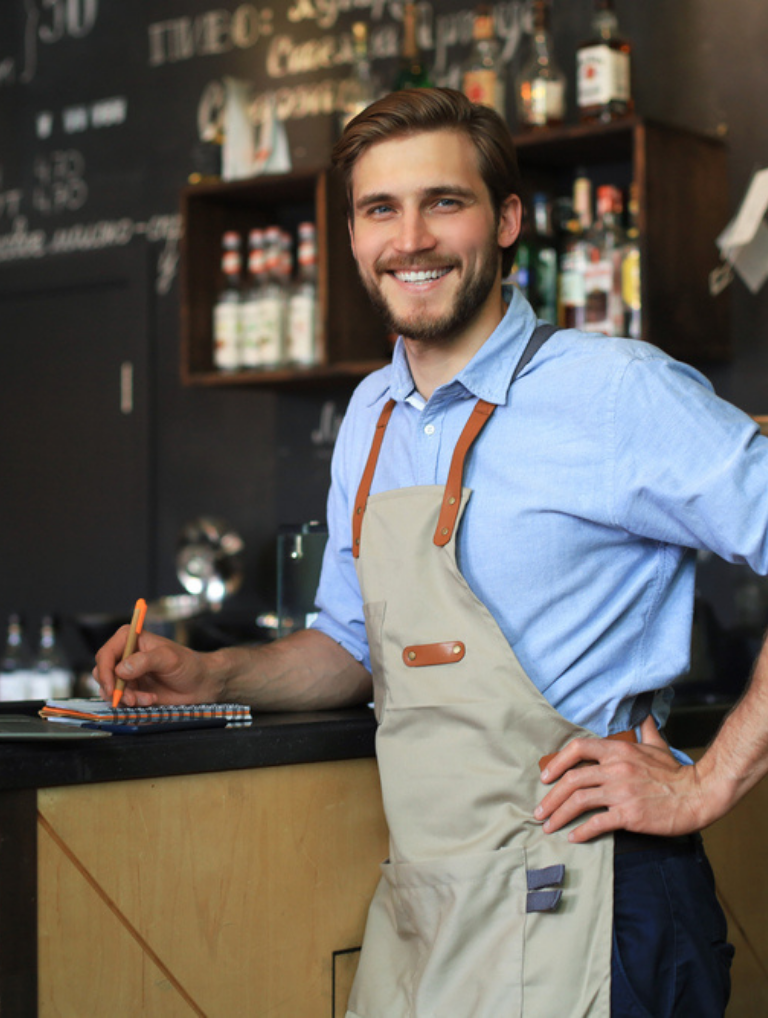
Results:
x,y
489,374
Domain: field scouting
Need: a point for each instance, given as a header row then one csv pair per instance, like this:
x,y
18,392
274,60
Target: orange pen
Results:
x,y
130,645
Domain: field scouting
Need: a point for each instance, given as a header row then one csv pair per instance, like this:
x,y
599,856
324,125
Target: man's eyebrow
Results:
x,y
428,193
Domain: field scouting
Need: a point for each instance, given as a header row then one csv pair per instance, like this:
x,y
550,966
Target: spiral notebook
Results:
x,y
77,711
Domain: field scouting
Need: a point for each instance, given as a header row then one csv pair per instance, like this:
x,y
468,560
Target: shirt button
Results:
x,y
429,429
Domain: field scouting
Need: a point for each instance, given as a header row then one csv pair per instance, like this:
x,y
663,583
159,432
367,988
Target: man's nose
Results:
x,y
414,233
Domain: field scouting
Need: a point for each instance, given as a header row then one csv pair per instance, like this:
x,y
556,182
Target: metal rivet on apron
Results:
x,y
359,510
444,531
357,540
451,500
457,648
411,655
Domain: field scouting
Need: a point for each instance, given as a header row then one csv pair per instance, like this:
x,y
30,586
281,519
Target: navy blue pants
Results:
x,y
670,953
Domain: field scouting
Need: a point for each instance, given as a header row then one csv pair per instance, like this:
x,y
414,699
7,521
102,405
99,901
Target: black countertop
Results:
x,y
272,740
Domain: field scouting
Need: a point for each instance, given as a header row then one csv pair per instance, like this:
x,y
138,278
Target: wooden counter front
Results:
x,y
223,894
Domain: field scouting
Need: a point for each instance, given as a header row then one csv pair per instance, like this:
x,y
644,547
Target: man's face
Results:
x,y
425,235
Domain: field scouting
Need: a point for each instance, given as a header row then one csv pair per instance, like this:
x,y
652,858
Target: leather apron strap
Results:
x,y
479,417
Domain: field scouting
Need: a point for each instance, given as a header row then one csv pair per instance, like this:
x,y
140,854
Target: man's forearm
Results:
x,y
738,756
305,671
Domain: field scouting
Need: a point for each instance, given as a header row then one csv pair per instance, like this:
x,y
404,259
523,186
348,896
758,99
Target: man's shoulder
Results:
x,y
572,353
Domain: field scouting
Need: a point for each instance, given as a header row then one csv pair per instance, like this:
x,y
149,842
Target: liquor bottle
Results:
x,y
413,71
362,88
541,85
483,79
272,303
302,308
604,309
51,674
630,271
250,307
603,83
572,296
226,312
15,663
543,261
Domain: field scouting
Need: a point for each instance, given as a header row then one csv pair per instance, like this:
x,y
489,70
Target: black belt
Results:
x,y
629,841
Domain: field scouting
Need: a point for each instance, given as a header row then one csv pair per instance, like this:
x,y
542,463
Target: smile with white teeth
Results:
x,y
420,275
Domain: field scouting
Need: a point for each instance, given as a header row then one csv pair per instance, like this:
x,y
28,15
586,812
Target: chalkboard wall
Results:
x,y
104,455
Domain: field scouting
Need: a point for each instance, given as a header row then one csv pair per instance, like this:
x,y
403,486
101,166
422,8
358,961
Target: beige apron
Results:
x,y
478,913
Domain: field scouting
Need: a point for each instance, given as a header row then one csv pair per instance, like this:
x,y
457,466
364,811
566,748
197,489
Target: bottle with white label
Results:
x,y
15,672
603,84
541,84
51,677
251,355
483,79
272,303
302,311
604,311
572,294
226,312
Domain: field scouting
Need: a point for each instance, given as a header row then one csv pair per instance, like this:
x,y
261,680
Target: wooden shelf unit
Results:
x,y
352,341
683,206
682,186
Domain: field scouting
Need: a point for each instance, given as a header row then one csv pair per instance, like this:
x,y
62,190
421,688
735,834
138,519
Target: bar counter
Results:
x,y
228,871
272,740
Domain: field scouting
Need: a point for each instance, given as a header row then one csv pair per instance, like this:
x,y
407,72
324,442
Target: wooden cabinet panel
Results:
x,y
682,185
352,340
225,894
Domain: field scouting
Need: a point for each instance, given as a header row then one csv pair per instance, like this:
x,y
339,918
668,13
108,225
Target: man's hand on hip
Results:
x,y
634,786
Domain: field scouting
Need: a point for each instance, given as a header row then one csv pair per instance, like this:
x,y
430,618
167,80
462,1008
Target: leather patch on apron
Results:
x,y
434,654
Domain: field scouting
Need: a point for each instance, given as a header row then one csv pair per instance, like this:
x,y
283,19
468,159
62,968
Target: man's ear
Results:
x,y
510,220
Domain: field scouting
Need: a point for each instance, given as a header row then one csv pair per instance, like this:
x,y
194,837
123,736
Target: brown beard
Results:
x,y
469,298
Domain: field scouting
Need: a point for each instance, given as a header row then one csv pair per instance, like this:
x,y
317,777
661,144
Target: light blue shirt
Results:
x,y
604,467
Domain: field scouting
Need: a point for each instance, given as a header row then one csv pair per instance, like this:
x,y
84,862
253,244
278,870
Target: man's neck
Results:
x,y
435,362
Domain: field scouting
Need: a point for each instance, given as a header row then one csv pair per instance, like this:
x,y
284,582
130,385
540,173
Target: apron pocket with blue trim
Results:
x,y
463,918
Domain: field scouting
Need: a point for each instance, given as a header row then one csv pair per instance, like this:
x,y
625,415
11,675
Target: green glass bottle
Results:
x,y
413,71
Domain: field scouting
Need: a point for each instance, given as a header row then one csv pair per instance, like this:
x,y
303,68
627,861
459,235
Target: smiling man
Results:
x,y
513,520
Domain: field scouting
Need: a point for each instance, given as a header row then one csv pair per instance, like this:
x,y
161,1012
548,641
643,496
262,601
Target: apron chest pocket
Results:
x,y
463,918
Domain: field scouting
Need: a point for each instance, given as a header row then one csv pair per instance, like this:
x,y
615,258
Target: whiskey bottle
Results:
x,y
604,311
603,84
413,71
541,85
572,293
361,89
251,354
483,79
630,271
302,308
226,312
273,301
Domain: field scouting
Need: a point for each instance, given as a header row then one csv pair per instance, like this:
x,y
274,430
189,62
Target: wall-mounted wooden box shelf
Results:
x,y
352,340
682,187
